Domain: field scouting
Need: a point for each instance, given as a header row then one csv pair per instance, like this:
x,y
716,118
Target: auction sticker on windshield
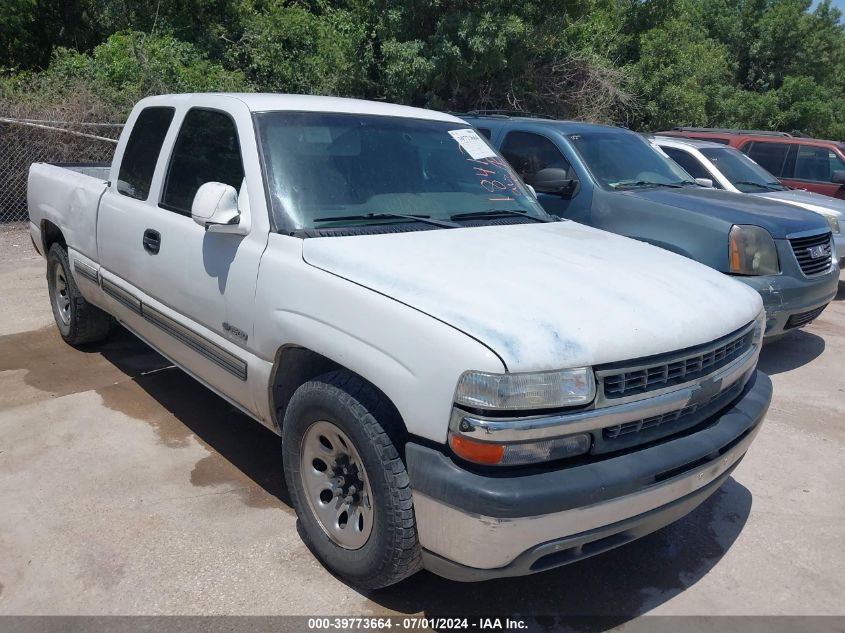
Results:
x,y
472,143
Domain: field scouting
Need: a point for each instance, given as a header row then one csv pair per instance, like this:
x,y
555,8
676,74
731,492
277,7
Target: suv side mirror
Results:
x,y
705,182
838,177
215,208
553,180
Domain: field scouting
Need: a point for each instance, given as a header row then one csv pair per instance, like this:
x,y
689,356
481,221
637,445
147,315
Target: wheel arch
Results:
x,y
51,234
295,365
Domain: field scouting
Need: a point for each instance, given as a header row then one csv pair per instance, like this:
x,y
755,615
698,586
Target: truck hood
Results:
x,y
545,296
808,200
777,218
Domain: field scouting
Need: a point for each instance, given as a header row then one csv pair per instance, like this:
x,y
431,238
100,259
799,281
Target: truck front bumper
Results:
x,y
476,526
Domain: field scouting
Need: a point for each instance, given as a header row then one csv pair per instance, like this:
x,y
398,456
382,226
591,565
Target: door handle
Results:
x,y
152,241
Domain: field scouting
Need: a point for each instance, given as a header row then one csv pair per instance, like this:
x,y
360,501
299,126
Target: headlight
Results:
x,y
833,222
752,251
535,390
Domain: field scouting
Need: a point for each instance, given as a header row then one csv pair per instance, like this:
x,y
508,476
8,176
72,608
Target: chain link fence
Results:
x,y
27,141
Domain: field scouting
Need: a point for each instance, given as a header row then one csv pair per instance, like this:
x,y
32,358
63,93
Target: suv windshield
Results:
x,y
327,170
622,160
744,173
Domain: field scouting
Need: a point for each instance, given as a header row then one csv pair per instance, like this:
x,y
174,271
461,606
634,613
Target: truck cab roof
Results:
x,y
270,102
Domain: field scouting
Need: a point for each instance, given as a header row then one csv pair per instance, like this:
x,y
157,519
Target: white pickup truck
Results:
x,y
461,382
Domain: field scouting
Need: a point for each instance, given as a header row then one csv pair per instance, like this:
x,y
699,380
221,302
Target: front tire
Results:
x,y
348,484
78,321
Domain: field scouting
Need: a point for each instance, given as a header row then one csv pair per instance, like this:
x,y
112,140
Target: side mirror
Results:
x,y
215,208
705,182
553,180
838,177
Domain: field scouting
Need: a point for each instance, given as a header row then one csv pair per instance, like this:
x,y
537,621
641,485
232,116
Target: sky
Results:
x,y
840,4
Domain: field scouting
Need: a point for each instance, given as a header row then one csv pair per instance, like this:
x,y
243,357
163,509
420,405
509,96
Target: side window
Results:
x,y
770,156
816,163
484,132
689,162
206,150
529,153
142,150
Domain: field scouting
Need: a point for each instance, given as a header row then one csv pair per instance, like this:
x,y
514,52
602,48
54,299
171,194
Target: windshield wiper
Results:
x,y
427,219
645,183
767,186
497,213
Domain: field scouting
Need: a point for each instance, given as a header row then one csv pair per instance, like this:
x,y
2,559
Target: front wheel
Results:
x,y
78,321
348,484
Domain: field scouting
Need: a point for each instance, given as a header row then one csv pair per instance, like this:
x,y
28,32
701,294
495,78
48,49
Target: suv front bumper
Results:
x,y
793,297
475,526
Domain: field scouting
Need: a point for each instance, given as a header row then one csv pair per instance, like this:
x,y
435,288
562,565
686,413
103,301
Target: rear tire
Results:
x,y
347,481
78,321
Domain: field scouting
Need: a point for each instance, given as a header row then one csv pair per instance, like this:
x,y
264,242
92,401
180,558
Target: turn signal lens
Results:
x,y
478,452
514,454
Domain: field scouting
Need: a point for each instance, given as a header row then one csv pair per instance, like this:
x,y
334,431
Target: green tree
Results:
x,y
289,47
682,76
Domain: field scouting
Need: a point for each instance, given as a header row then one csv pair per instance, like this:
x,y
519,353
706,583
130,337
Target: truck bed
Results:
x,y
100,171
67,195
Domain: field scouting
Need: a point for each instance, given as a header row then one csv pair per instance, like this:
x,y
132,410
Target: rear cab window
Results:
x,y
142,151
207,149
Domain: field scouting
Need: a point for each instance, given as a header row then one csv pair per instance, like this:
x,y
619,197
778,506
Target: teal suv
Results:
x,y
614,179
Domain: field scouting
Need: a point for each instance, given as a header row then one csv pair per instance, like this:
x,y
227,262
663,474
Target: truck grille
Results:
x,y
814,253
668,370
670,421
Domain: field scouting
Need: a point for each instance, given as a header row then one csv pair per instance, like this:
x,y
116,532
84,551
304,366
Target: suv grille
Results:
x,y
676,369
814,253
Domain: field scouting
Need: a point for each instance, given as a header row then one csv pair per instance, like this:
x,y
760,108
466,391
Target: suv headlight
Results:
x,y
752,251
534,390
833,222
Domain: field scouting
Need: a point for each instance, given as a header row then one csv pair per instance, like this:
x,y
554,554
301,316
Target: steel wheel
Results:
x,y
336,485
61,296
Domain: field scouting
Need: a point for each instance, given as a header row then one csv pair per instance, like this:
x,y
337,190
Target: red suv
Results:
x,y
803,163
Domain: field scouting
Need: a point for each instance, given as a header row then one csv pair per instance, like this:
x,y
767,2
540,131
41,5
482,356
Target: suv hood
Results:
x,y
777,218
808,200
545,296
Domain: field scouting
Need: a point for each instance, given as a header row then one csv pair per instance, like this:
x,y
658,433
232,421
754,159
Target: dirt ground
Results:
x,y
128,488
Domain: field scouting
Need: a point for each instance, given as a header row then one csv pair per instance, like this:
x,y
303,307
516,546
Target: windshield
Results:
x,y
744,173
326,170
621,160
